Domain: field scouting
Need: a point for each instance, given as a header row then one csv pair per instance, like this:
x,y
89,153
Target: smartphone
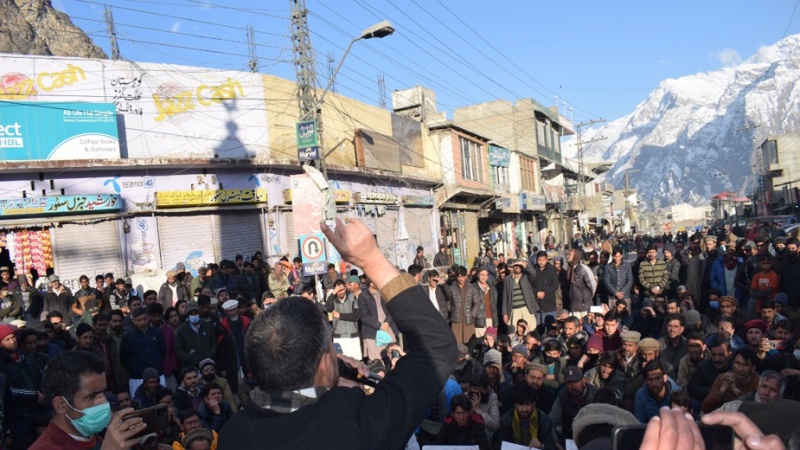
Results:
x,y
155,417
595,309
773,344
338,348
395,354
630,437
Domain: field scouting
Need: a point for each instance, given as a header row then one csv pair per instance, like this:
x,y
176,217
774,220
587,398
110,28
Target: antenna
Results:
x,y
331,70
251,49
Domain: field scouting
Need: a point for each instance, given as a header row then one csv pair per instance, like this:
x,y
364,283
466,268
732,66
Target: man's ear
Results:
x,y
60,405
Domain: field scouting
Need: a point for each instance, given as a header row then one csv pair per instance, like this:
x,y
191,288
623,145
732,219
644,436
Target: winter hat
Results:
x,y
781,298
462,350
595,341
171,274
756,323
520,349
205,363
149,373
492,357
631,336
5,331
670,247
353,279
196,434
492,331
649,344
22,279
730,299
600,414
180,266
692,318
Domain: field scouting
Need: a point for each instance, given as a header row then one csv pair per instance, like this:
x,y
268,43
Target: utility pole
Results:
x,y
304,61
381,91
628,210
112,33
251,49
581,178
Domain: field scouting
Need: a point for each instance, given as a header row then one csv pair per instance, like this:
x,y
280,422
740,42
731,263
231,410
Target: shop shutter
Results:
x,y
386,230
186,238
418,226
471,236
238,233
86,249
289,244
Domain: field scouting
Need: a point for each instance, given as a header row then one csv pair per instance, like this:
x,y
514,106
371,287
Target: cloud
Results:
x,y
727,57
176,26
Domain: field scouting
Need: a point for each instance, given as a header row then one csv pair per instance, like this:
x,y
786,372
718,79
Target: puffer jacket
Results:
x,y
618,279
473,303
583,284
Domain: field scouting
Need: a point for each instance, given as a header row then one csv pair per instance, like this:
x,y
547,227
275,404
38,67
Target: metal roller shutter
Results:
x,y
386,230
289,246
471,236
418,226
88,249
238,233
186,239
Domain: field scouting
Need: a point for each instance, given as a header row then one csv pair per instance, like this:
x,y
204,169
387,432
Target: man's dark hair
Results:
x,y
606,396
116,312
767,304
25,332
716,292
155,308
608,358
203,300
551,345
110,275
748,354
681,398
339,282
187,413
99,277
653,366
238,257
479,380
573,320
331,266
99,317
678,317
83,277
611,316
208,387
120,389
187,370
522,393
52,314
461,271
696,335
62,375
414,269
149,293
285,344
792,241
297,259
540,254
82,329
460,400
785,324
719,342
307,289
652,247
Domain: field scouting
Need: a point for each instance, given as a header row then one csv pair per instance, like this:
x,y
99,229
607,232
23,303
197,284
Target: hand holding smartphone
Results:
x,y
156,418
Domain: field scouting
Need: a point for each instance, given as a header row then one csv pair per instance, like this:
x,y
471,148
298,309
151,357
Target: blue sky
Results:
x,y
602,58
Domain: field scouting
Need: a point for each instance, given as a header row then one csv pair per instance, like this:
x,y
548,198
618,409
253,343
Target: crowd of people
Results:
x,y
555,347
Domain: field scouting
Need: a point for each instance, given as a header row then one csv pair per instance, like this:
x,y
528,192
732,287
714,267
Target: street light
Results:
x,y
379,30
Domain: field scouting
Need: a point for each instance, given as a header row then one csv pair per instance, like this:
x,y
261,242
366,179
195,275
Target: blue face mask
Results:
x,y
95,419
714,305
194,320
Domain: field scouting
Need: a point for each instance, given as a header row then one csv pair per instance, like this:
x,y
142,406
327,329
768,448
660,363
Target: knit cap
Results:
x,y
595,341
492,357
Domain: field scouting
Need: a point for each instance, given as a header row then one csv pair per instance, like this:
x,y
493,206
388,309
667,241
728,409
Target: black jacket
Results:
x,y
345,418
24,379
545,280
703,378
35,301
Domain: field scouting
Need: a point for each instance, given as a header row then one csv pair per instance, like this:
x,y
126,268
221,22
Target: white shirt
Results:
x,y
432,296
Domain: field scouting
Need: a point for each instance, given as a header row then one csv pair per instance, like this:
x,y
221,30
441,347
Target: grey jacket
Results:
x,y
346,326
527,292
618,279
369,316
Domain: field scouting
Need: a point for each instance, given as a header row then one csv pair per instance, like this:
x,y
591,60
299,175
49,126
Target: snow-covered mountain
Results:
x,y
696,136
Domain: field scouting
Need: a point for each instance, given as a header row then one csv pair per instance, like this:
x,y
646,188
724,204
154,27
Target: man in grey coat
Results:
x,y
519,297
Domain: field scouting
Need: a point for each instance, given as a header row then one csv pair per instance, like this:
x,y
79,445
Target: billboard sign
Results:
x,y
58,130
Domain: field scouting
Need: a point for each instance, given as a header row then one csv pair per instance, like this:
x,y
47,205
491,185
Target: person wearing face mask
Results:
x,y
208,374
195,338
75,385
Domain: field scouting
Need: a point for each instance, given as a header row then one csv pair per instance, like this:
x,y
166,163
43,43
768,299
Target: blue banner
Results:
x,y
58,130
63,204
499,156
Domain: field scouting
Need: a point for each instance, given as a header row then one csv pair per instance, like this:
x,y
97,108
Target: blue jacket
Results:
x,y
618,279
140,350
717,279
645,406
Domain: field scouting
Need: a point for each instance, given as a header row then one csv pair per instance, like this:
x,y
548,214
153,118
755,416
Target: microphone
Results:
x,y
352,374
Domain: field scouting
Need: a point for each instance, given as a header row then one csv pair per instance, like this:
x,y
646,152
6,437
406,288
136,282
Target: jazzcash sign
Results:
x,y
170,101
17,86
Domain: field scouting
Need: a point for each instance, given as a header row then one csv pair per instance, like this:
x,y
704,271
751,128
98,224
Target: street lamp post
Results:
x,y
318,171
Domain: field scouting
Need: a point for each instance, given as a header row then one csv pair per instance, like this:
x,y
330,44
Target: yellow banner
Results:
x,y
222,197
